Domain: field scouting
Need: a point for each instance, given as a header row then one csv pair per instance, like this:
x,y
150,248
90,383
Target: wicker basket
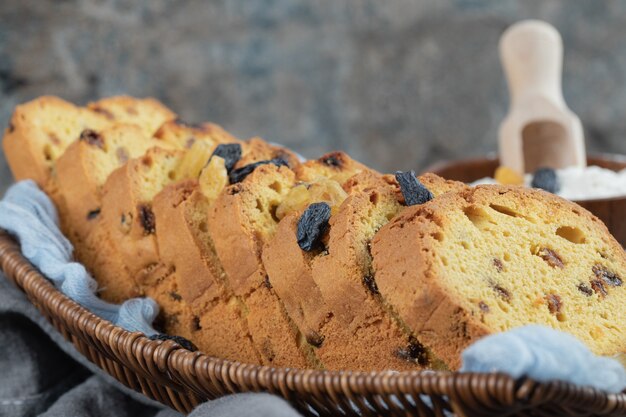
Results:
x,y
182,379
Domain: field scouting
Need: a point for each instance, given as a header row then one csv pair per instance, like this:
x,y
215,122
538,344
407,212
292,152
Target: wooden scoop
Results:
x,y
539,130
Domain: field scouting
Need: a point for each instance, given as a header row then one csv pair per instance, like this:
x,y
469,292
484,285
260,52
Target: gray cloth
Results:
x,y
41,374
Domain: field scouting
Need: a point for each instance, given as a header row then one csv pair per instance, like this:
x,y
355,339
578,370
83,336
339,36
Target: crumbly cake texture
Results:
x,y
183,207
242,219
195,297
39,131
239,221
202,281
491,258
129,216
127,225
331,294
85,166
126,213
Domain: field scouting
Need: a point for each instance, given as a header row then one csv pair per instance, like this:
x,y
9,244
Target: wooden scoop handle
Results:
x,y
532,55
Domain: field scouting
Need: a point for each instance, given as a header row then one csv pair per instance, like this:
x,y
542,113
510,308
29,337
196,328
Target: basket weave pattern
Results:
x,y
181,379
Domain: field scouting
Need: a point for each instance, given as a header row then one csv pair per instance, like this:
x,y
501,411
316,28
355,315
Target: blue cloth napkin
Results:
x,y
544,354
27,213
538,352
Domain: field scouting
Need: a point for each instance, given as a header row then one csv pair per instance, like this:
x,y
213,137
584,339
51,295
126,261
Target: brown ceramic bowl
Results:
x,y
610,210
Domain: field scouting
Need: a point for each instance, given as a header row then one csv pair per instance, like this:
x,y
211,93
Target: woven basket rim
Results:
x,y
180,369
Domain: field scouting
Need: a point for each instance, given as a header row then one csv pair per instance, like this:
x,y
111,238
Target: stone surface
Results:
x,y
398,84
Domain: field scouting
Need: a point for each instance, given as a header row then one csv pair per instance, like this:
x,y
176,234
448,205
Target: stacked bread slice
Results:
x,y
258,257
41,130
331,291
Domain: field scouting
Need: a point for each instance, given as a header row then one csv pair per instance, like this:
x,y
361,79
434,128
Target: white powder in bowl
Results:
x,y
579,184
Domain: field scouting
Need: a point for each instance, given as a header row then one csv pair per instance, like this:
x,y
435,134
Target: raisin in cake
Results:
x,y
494,257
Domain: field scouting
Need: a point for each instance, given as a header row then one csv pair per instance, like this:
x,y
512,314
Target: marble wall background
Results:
x,y
398,83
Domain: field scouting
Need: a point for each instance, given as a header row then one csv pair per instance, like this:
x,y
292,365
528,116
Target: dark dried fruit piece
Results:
x,y
554,303
93,214
546,179
607,276
92,137
332,160
413,190
239,174
267,282
146,218
502,292
175,296
196,323
54,139
184,343
104,112
147,161
483,307
551,257
414,352
585,289
599,288
230,152
370,283
312,225
498,264
315,339
234,190
126,221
